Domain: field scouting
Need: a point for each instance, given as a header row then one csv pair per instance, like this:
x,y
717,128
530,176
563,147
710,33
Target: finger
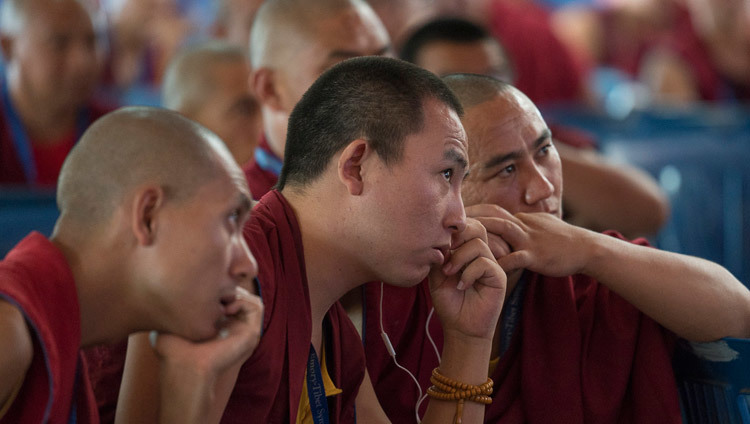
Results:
x,y
462,256
487,210
244,302
510,230
498,246
474,230
482,271
514,261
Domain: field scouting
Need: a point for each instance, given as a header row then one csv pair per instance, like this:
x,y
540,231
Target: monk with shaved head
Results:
x,y
210,83
370,190
590,319
149,238
52,53
291,43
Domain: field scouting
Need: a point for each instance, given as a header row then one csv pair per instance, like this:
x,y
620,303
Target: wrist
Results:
x,y
466,358
596,250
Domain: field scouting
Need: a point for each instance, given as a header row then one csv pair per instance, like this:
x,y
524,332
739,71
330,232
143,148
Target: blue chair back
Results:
x,y
714,381
23,210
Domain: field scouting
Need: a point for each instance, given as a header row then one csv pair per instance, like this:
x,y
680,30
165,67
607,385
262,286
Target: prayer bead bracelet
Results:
x,y
444,388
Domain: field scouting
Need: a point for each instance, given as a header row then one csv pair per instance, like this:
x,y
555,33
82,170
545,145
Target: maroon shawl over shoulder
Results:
x,y
580,354
35,277
269,385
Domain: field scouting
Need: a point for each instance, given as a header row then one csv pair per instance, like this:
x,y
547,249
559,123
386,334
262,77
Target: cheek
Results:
x,y
555,175
507,196
472,192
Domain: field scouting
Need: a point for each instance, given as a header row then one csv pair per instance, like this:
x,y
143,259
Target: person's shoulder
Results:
x,y
18,349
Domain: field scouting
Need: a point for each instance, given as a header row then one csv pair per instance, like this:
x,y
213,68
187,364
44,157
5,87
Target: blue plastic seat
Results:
x,y
23,210
714,381
700,156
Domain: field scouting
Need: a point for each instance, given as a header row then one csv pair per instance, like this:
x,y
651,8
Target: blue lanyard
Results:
x,y
268,161
315,390
21,140
511,314
73,418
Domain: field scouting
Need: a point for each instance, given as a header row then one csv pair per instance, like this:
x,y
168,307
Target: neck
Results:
x,y
101,304
332,270
43,121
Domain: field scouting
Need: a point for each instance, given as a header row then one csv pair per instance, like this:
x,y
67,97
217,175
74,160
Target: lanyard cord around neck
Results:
x,y
316,391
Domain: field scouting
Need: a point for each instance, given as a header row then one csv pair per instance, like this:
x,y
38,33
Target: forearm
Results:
x,y
193,395
464,359
696,299
186,395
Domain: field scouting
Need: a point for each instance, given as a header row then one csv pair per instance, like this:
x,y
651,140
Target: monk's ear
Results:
x,y
350,165
265,84
147,205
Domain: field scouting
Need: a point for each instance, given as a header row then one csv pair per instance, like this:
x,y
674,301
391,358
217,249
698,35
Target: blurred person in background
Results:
x,y
210,83
598,195
234,20
547,71
52,56
292,42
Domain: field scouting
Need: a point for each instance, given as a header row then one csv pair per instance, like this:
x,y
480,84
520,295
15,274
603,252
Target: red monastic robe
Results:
x,y
260,180
580,354
36,278
269,385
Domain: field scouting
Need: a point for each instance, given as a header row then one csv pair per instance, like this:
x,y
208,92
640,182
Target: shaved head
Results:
x,y
282,26
472,89
132,147
190,78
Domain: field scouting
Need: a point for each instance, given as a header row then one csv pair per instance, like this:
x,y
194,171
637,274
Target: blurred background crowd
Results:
x,y
659,85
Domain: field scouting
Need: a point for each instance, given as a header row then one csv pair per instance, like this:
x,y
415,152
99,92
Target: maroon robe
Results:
x,y
11,168
260,180
545,68
269,385
106,364
580,354
36,278
710,83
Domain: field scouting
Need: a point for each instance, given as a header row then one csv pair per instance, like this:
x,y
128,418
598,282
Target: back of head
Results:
x,y
189,75
132,147
450,45
472,89
454,30
377,99
280,27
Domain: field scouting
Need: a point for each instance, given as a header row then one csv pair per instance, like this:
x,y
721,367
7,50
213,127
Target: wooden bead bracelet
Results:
x,y
444,388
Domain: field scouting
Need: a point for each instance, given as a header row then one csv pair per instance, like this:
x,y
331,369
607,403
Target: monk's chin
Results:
x,y
409,280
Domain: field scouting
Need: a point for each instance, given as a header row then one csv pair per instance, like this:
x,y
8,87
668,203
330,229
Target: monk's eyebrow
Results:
x,y
502,158
453,155
544,136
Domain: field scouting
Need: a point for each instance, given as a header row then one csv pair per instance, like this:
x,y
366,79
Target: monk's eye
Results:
x,y
447,174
